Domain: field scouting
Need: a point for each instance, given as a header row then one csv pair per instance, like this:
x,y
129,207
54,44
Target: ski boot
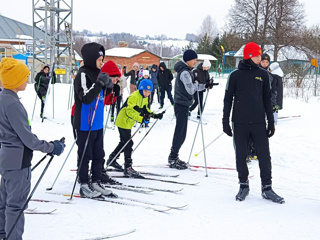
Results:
x,y
268,193
97,186
175,162
243,191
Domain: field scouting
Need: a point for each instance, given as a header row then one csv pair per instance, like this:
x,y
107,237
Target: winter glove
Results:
x,y
158,116
276,108
104,80
209,84
58,147
271,129
226,128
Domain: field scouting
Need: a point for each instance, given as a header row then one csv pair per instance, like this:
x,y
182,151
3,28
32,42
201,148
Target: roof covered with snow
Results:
x,y
284,54
124,52
201,57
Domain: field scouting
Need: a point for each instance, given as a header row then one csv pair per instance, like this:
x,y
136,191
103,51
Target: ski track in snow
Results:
x,y
212,212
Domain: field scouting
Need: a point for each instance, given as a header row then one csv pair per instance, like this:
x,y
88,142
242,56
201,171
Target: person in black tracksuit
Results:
x,y
164,80
248,93
90,87
41,85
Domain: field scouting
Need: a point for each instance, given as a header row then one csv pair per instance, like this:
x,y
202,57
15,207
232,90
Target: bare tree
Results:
x,y
79,42
245,17
286,21
208,28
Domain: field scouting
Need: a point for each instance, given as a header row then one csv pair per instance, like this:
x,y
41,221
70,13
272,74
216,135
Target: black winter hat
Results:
x,y
189,55
265,56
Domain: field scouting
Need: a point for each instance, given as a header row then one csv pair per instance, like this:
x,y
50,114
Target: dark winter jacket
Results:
x,y
248,91
153,76
200,75
164,77
41,83
87,91
273,87
134,76
185,86
278,85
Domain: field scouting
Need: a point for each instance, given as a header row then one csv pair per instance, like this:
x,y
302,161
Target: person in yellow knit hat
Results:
x,y
17,143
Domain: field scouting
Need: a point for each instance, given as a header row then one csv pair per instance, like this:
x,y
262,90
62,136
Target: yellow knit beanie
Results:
x,y
13,73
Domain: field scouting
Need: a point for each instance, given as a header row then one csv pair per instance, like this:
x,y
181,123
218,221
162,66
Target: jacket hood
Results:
x,y
200,66
181,65
90,53
247,64
275,69
162,64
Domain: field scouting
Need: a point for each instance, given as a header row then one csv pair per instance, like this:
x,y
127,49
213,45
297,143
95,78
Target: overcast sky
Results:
x,y
173,18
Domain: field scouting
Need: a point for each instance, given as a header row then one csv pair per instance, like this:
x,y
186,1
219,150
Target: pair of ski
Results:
x,y
119,234
145,173
140,189
158,207
36,211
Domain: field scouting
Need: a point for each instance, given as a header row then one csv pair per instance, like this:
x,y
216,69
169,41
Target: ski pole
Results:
x,y
49,189
85,146
194,140
204,151
209,144
145,135
41,160
105,126
34,106
31,194
115,157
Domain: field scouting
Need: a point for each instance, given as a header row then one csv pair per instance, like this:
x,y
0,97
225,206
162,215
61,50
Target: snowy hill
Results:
x,y
212,212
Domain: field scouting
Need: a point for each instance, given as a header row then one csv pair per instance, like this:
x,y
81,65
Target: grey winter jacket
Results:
x,y
185,86
16,139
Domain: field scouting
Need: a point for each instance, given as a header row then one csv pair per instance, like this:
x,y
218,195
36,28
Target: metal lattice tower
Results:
x,y
50,16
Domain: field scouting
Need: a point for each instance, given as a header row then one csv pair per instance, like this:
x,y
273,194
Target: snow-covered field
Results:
x,y
212,212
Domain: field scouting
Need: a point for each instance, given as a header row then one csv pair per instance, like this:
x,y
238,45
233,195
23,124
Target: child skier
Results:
x,y
133,110
89,88
17,143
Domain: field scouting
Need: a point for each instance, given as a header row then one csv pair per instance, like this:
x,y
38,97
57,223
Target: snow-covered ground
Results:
x,y
212,212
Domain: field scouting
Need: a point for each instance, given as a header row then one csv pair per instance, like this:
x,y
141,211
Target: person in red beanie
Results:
x,y
114,98
248,93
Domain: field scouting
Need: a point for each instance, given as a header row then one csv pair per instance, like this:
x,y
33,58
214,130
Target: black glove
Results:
x,y
226,128
104,80
158,116
271,129
58,147
209,84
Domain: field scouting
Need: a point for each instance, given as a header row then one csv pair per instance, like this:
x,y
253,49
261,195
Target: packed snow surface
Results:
x,y
212,212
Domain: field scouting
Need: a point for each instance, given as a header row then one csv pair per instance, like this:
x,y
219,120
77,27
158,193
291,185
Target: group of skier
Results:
x,y
248,93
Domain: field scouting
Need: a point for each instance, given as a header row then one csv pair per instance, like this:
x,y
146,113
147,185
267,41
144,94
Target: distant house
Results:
x,y
124,56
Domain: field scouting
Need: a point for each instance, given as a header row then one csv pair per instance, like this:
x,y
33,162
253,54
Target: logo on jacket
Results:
x,y
259,78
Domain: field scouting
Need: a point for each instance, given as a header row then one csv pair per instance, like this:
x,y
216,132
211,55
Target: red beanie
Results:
x,y
251,50
111,68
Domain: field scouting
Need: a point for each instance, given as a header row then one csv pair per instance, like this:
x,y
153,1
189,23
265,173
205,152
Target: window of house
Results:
x,y
2,53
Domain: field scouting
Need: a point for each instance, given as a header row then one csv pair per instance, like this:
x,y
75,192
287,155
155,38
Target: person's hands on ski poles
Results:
x,y
104,80
58,146
158,115
146,118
